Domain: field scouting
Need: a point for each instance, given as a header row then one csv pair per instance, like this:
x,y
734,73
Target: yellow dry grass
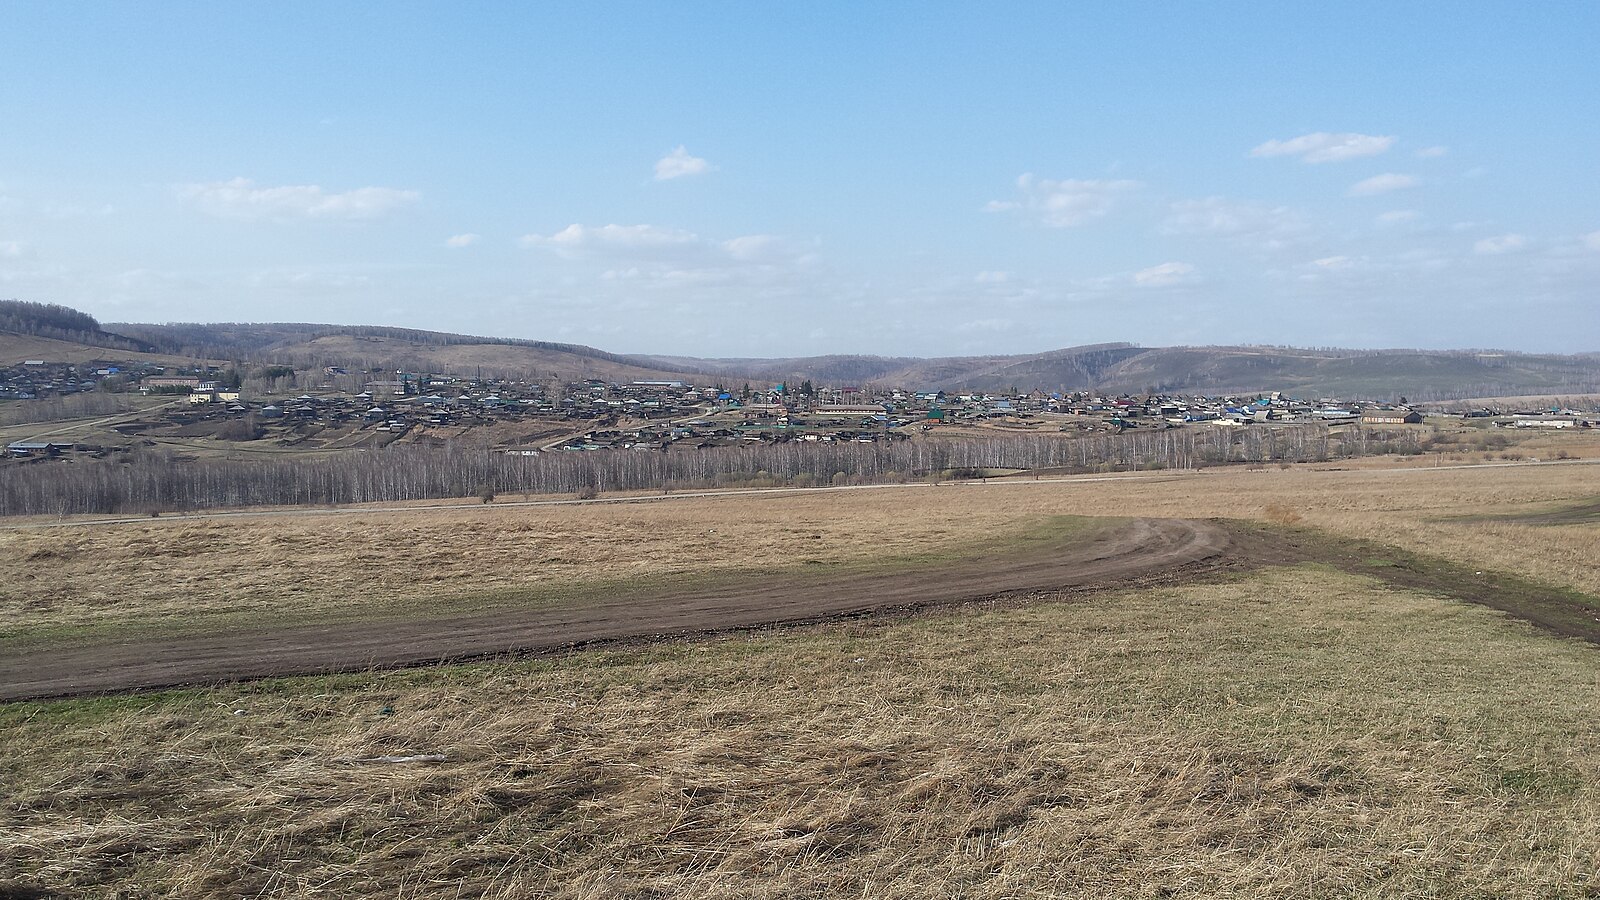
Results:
x,y
180,572
1295,734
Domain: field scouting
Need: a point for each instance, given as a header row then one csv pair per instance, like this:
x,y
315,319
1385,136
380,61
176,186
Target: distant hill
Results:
x,y
46,325
1109,368
376,347
1124,368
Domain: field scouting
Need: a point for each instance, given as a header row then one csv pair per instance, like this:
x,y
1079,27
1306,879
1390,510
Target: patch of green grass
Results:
x,y
1552,607
1539,782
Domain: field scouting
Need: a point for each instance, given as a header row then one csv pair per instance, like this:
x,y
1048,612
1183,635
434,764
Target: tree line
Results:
x,y
63,323
151,481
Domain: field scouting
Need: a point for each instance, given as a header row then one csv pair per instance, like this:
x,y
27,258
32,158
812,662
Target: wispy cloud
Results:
x,y
1396,216
1503,243
1432,152
1165,275
1381,184
457,241
577,239
652,250
679,163
241,198
1323,146
1067,202
1266,227
1592,240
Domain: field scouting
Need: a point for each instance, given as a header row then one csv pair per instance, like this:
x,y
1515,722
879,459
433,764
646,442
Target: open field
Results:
x,y
1075,555
1296,733
1241,724
165,573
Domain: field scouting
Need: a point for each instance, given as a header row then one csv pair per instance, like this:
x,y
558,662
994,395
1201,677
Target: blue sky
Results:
x,y
762,179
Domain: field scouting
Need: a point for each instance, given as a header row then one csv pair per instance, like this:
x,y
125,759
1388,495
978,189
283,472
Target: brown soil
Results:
x,y
1142,552
1138,551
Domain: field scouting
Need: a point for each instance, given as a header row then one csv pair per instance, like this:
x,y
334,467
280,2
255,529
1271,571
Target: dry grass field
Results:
x,y
193,572
1296,733
1287,732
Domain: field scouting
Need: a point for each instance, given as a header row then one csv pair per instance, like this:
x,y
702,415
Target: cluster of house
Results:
x,y
36,378
656,414
1556,417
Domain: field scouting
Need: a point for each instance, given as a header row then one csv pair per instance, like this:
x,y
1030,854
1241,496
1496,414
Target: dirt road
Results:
x,y
1141,551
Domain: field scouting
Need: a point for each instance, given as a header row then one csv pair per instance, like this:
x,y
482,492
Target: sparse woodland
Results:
x,y
156,481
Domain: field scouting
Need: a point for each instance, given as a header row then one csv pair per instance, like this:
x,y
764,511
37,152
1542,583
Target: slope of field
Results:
x,y
16,349
1078,559
1298,733
216,573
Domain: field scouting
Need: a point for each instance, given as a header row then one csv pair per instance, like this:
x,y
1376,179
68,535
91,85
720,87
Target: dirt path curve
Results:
x,y
1141,551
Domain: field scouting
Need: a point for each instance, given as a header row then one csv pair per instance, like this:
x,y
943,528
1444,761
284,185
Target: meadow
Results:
x,y
1286,731
193,572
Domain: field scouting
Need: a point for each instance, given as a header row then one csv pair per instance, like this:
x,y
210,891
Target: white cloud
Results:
x,y
679,163
1067,202
11,249
1333,262
1592,241
1165,275
670,255
1432,152
1504,243
1269,226
1381,184
1322,146
583,240
1000,277
241,198
461,240
754,247
1396,216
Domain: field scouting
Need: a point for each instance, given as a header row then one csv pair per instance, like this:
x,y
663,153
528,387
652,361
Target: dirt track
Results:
x,y
1141,552
1144,550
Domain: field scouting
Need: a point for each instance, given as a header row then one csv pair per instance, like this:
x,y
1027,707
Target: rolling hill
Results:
x,y
1125,368
1115,368
383,348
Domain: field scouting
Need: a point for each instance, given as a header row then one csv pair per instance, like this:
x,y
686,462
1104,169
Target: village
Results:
x,y
335,409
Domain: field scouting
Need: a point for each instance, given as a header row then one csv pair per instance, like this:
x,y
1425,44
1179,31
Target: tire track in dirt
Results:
x,y
1130,554
1142,552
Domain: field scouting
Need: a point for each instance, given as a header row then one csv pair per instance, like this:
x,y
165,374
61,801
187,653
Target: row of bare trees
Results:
x,y
67,406
153,481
